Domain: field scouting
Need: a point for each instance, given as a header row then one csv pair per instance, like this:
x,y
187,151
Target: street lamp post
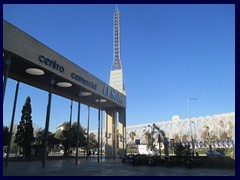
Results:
x,y
188,104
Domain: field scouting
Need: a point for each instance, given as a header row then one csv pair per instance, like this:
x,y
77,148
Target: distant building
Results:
x,y
61,127
219,127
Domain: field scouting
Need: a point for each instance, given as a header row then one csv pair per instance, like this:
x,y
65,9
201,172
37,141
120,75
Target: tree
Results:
x,y
24,135
205,133
92,141
148,138
181,150
177,138
39,139
82,137
63,136
185,138
39,136
132,135
13,145
51,138
6,135
161,138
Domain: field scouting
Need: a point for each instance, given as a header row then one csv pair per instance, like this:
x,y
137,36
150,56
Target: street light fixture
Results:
x,y
188,104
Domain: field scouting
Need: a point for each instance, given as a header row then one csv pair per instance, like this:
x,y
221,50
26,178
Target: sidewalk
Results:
x,y
106,167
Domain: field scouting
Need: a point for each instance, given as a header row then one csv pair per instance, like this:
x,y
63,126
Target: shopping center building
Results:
x,y
27,60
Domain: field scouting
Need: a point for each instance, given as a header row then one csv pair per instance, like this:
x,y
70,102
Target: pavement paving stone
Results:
x,y
106,167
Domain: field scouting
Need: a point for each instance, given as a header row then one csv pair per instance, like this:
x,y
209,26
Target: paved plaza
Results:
x,y
106,167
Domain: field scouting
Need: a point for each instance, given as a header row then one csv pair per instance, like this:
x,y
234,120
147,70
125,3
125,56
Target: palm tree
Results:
x,y
148,138
185,138
165,142
132,135
177,138
206,136
164,139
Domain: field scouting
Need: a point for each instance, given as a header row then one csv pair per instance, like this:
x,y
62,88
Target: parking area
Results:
x,y
106,167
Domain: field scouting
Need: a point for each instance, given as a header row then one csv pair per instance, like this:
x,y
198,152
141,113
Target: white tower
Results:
x,y
116,118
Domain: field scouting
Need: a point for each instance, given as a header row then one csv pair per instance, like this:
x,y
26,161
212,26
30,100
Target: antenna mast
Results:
x,y
116,41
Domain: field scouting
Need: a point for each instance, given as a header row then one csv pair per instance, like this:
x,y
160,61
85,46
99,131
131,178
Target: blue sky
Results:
x,y
168,52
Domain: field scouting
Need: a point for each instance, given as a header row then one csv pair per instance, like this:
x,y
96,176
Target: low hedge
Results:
x,y
198,162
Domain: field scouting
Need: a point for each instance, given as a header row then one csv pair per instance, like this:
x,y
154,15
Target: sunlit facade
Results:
x,y
218,130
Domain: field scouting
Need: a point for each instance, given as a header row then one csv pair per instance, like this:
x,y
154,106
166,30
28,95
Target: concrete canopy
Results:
x,y
26,52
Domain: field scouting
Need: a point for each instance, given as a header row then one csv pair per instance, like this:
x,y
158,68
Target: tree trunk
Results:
x,y
166,145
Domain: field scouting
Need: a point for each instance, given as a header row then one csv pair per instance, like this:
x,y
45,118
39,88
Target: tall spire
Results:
x,y
116,9
116,41
116,75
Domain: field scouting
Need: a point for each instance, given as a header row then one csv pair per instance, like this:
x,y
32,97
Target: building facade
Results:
x,y
26,60
218,130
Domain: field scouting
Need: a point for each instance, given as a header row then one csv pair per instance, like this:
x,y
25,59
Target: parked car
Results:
x,y
214,153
